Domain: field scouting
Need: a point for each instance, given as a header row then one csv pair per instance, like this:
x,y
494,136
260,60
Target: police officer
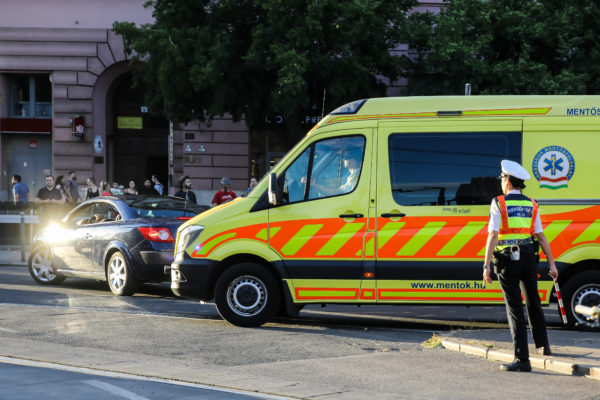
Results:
x,y
514,221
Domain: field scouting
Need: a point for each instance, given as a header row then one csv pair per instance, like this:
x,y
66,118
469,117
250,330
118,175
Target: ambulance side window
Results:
x,y
329,167
449,168
294,183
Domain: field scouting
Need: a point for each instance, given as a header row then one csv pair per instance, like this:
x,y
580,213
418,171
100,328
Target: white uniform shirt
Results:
x,y
496,219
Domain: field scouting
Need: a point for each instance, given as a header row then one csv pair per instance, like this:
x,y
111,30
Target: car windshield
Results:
x,y
160,207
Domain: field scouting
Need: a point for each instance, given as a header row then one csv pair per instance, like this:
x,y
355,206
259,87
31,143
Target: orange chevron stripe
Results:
x,y
352,248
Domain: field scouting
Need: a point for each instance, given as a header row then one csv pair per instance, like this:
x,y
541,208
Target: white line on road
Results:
x,y
8,330
122,375
117,391
158,314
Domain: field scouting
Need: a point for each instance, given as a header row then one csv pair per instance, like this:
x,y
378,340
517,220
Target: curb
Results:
x,y
560,365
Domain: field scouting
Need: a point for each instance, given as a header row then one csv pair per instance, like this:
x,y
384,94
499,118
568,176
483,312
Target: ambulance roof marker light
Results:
x,y
449,113
350,108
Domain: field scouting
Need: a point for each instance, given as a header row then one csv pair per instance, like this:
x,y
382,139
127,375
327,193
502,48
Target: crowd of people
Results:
x,y
64,190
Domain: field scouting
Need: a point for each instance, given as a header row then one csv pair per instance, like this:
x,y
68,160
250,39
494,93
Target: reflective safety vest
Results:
x,y
517,215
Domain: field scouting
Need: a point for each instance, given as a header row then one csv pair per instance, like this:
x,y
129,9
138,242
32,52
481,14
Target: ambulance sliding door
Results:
x,y
436,179
320,229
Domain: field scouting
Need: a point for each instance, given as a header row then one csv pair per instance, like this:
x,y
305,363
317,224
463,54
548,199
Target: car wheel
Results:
x,y
41,269
119,276
584,289
247,295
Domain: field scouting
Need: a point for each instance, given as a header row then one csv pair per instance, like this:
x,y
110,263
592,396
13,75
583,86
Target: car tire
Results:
x,y
583,288
119,276
247,295
40,267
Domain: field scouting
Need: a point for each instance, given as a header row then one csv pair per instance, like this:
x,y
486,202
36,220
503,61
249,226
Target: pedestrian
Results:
x,y
225,194
131,189
92,190
48,196
514,235
115,189
253,183
20,190
106,189
60,186
157,185
148,190
185,192
73,188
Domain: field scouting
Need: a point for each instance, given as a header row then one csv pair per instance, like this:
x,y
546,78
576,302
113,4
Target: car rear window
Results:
x,y
163,207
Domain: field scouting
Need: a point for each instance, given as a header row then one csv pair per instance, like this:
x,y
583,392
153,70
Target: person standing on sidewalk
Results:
x,y
73,188
514,231
225,194
185,192
20,190
48,197
158,186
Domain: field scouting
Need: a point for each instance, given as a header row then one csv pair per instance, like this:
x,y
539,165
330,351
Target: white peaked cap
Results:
x,y
514,169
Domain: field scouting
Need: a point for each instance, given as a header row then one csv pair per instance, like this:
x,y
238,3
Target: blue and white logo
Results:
x,y
553,167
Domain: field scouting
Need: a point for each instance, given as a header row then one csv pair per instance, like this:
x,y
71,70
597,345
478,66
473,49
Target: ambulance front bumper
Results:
x,y
192,278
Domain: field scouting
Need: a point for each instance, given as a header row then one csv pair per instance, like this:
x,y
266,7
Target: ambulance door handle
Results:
x,y
392,215
351,216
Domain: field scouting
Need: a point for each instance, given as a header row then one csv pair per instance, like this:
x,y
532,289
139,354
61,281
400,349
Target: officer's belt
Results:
x,y
514,242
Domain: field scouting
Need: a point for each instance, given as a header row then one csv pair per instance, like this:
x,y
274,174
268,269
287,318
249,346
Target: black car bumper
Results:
x,y
152,267
193,278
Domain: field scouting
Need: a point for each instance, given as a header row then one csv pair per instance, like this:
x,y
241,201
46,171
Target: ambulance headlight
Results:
x,y
185,237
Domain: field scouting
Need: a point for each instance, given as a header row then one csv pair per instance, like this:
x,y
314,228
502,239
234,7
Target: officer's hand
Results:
x,y
553,272
487,275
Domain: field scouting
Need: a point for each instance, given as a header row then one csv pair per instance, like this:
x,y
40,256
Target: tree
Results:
x,y
254,58
505,47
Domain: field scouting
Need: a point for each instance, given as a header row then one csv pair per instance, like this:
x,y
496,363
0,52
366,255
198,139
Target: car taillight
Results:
x,y
184,218
157,234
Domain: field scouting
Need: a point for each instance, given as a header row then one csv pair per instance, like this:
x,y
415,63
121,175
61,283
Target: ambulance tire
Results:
x,y
583,288
247,295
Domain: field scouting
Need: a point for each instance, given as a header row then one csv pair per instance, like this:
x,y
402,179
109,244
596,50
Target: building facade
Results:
x,y
67,103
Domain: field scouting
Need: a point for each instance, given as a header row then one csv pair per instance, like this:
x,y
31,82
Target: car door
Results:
x,y
72,246
320,229
434,188
106,228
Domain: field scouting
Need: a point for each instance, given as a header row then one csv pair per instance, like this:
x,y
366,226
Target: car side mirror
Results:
x,y
274,196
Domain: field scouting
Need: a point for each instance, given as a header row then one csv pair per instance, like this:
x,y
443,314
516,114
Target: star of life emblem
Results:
x,y
553,167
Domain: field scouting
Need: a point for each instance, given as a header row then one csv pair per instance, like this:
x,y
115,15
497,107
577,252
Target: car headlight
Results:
x,y
186,236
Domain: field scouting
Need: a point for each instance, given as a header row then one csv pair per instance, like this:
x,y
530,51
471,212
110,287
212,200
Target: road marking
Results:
x,y
158,314
8,330
122,375
117,391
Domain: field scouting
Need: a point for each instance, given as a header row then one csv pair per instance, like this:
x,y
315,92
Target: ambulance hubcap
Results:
x,y
247,295
588,295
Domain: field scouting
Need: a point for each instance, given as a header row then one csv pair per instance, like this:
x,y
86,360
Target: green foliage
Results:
x,y
505,47
254,58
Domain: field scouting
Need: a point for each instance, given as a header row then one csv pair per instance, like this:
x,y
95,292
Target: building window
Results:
x,y
30,96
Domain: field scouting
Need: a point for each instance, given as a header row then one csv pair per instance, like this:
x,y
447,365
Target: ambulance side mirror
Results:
x,y
274,198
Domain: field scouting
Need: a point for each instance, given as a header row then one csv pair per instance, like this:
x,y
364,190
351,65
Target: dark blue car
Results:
x,y
123,240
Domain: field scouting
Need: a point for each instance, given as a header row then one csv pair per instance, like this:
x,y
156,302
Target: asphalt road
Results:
x,y
340,352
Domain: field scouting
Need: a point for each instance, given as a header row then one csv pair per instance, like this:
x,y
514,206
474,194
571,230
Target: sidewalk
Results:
x,y
573,353
12,257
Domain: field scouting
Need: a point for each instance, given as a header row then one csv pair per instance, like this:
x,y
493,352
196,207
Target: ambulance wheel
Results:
x,y
247,294
41,268
583,288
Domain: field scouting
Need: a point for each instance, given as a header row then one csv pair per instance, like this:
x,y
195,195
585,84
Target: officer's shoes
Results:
x,y
517,365
544,350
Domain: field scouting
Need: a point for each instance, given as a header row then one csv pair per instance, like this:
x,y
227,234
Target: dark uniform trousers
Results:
x,y
516,277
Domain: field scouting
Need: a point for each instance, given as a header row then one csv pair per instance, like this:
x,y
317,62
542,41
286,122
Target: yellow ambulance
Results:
x,y
386,201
